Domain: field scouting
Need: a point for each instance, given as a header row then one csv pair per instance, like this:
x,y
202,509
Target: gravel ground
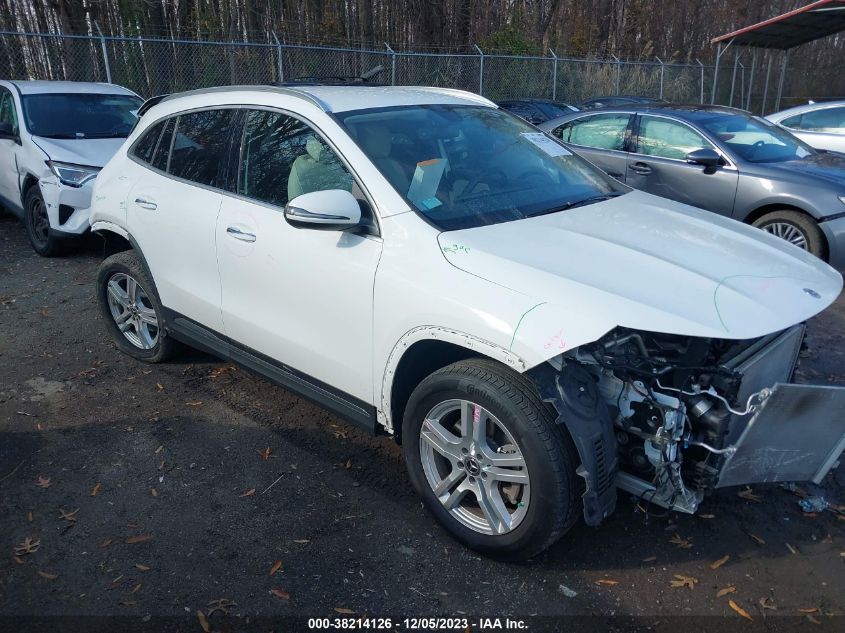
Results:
x,y
155,490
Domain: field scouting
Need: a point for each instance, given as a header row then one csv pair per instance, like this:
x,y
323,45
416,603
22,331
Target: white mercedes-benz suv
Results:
x,y
54,138
537,335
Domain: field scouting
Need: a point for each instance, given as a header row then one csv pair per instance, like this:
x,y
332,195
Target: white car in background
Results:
x,y
820,125
54,138
535,333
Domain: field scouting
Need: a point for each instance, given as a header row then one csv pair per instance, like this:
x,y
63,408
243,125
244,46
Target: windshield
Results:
x,y
80,115
468,166
756,140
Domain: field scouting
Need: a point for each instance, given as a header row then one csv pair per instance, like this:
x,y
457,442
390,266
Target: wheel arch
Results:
x,y
29,181
421,352
759,212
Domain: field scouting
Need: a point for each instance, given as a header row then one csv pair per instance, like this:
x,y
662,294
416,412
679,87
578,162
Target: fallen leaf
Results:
x,y
725,591
348,464
70,517
706,516
283,595
757,538
29,517
683,581
766,603
140,538
650,559
791,549
141,567
19,560
96,489
276,567
813,620
127,603
827,540
153,492
680,542
158,450
203,621
344,610
47,575
607,582
136,588
219,371
159,386
301,541
740,610
27,546
809,610
43,482
106,543
249,493
265,454
223,605
116,582
748,495
161,465
720,562
194,403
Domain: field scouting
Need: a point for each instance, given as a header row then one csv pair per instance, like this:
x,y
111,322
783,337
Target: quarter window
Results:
x,y
199,145
602,131
283,158
829,120
162,149
668,139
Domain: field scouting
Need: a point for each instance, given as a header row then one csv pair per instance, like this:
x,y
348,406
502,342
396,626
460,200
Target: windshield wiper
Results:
x,y
58,135
577,203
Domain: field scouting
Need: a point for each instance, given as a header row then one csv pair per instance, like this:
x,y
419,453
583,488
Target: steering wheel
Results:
x,y
756,147
483,177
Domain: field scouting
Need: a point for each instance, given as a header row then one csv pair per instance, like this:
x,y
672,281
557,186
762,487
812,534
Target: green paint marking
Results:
x,y
722,282
518,323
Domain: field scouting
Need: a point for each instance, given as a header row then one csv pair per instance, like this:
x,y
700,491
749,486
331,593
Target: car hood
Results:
x,y
646,263
828,166
94,152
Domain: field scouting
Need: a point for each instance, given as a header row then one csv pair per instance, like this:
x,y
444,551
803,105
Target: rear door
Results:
x,y
173,207
600,138
658,165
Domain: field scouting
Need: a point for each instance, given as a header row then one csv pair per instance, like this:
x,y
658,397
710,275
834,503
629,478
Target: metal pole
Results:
x,y
392,64
105,53
716,73
279,58
751,79
618,73
782,77
766,85
480,70
662,68
702,80
554,76
733,80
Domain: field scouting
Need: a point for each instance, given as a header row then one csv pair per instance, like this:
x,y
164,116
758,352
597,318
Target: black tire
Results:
x,y
548,451
128,265
38,226
809,230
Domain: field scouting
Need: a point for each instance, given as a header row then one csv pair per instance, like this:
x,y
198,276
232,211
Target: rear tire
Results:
x,y
488,460
130,307
37,225
794,227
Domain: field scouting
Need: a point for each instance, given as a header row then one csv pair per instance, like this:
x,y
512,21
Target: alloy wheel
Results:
x,y
132,311
788,232
474,467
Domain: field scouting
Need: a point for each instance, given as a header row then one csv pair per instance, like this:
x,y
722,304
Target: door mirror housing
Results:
x,y
8,132
329,210
706,157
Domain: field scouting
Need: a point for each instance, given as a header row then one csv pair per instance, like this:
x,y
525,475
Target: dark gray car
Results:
x,y
723,160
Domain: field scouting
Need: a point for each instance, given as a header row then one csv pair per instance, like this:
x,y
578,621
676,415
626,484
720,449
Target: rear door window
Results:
x,y
199,145
146,145
162,149
667,139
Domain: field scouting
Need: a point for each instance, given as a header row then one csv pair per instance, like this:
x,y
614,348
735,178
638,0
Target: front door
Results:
x,y
302,297
658,165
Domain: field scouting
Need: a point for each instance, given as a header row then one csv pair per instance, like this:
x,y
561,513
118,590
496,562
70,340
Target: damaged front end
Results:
x,y
669,418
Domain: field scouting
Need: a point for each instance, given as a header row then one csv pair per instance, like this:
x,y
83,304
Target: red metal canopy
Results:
x,y
814,21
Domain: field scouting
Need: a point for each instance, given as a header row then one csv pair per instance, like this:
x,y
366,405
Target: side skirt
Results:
x,y
348,407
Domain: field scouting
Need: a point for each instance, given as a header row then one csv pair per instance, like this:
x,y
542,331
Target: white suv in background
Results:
x,y
54,138
536,334
820,125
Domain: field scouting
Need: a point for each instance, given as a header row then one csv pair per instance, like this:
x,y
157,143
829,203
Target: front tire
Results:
x,y
488,460
130,307
37,224
796,228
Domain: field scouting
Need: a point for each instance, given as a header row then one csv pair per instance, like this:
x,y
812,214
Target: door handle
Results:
x,y
641,168
238,234
146,204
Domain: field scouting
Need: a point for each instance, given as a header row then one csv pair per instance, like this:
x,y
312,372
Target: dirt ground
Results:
x,y
155,490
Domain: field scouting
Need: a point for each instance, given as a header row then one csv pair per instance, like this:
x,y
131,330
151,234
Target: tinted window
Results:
x,y
145,147
162,148
80,115
668,139
603,131
284,158
554,110
830,120
7,109
199,147
524,110
468,166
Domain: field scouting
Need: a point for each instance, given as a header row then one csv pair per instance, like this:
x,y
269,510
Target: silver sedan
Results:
x,y
821,125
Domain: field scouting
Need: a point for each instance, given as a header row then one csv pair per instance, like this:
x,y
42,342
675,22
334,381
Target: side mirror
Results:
x,y
706,157
7,131
329,210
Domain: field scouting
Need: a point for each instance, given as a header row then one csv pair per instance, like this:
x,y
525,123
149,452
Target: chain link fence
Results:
x,y
152,66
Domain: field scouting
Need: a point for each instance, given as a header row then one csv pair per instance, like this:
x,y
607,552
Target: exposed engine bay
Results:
x,y
669,418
